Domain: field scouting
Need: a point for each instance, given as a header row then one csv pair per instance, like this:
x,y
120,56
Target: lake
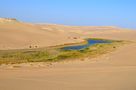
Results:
x,y
89,43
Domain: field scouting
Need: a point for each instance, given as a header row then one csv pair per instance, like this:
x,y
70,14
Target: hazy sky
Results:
x,y
72,12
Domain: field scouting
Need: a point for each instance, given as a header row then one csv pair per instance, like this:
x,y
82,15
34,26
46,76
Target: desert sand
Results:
x,y
19,35
111,71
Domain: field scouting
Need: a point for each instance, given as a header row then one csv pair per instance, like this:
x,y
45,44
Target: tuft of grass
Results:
x,y
69,54
23,57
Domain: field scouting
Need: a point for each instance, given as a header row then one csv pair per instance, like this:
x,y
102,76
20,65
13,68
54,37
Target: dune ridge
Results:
x,y
20,35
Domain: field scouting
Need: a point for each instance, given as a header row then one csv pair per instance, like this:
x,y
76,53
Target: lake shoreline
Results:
x,y
48,55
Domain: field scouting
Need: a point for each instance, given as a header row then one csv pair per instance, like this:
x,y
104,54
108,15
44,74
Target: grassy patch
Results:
x,y
53,54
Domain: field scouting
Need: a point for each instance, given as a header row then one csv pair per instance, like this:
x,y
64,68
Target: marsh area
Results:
x,y
92,48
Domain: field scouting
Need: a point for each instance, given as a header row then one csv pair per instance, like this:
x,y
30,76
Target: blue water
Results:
x,y
90,42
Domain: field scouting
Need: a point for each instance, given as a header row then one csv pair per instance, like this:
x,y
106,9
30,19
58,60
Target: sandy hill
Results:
x,y
18,35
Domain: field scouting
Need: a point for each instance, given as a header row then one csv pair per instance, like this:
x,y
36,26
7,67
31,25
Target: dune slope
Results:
x,y
112,71
19,35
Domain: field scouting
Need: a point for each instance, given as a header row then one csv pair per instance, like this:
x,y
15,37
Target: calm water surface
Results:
x,y
90,42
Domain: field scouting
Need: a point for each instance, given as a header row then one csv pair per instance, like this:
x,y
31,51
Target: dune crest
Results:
x,y
8,20
15,34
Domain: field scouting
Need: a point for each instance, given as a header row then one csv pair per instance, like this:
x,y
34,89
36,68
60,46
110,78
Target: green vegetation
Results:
x,y
55,54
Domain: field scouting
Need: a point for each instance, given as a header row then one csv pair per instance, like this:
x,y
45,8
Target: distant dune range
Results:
x,y
19,35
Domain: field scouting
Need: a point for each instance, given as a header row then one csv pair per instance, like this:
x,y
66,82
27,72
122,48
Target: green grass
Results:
x,y
55,54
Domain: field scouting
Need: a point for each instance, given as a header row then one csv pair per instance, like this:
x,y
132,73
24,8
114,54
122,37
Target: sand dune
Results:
x,y
18,35
112,71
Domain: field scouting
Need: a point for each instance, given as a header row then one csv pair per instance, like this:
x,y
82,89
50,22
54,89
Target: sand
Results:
x,y
112,71
19,35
